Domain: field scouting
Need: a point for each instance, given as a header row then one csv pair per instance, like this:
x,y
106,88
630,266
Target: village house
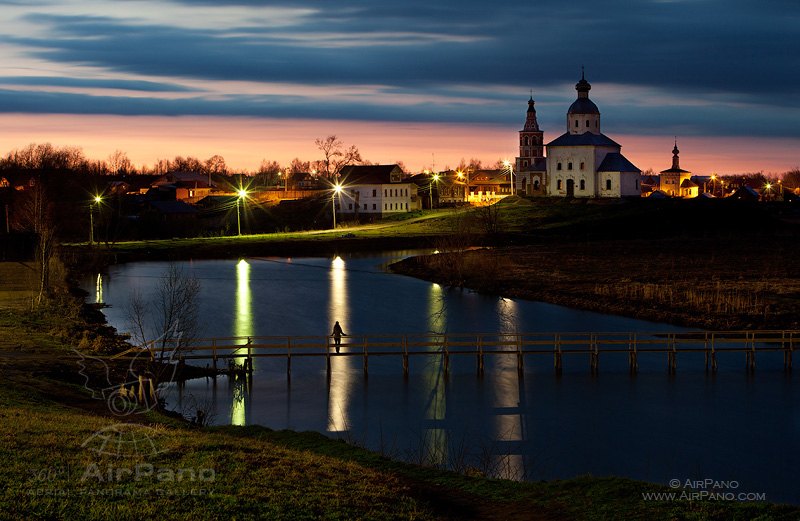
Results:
x,y
376,190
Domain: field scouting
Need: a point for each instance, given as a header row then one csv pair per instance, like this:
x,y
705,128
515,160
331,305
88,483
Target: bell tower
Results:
x,y
531,140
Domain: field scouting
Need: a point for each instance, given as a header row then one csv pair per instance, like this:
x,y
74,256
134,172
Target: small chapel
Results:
x,y
582,162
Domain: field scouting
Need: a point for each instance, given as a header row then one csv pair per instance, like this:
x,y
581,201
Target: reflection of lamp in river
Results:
x,y
242,328
508,394
98,295
340,384
434,383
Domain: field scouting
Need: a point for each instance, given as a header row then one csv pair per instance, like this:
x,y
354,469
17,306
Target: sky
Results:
x,y
424,82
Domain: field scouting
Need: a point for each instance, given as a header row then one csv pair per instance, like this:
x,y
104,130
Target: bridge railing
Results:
x,y
445,344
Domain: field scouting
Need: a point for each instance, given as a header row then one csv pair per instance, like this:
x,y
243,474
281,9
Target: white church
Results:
x,y
582,162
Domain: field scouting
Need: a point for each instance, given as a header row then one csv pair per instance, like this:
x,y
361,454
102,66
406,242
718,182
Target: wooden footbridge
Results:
x,y
241,351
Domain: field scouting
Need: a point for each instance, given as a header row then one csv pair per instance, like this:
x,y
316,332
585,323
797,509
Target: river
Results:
x,y
734,426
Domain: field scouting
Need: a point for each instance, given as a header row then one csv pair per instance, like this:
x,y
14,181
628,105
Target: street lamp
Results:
x,y
508,165
337,189
768,190
241,194
434,179
97,199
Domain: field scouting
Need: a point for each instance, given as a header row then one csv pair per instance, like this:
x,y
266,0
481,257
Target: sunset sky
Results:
x,y
416,81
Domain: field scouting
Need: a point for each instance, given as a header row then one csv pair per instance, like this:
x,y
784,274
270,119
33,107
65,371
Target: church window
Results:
x,y
559,184
582,165
596,122
558,166
608,184
569,166
526,141
587,123
576,123
583,184
374,193
536,184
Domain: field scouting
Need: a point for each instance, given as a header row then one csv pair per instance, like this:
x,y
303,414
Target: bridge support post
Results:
x,y
713,354
788,347
288,357
366,359
480,356
328,355
405,356
214,353
557,355
520,357
633,355
750,357
446,355
672,359
594,354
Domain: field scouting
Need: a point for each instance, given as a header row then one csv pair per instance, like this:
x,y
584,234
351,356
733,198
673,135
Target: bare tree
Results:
x,y
170,318
35,214
336,155
299,166
216,165
119,163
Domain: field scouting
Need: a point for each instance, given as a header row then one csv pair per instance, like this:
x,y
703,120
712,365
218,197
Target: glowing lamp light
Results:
x,y
242,193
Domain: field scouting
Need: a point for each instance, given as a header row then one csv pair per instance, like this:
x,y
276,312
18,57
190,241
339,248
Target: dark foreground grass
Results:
x,y
65,457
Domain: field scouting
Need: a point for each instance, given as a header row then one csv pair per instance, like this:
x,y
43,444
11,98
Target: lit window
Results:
x,y
582,165
559,184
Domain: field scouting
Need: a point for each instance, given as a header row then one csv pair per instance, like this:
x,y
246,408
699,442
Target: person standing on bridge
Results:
x,y
337,335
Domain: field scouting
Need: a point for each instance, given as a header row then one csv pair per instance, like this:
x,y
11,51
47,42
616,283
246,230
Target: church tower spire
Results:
x,y
531,125
583,115
675,159
531,140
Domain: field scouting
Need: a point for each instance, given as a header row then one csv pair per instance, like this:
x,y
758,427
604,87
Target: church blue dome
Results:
x,y
583,106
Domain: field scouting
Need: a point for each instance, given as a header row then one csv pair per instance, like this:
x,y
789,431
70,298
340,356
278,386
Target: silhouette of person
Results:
x,y
337,334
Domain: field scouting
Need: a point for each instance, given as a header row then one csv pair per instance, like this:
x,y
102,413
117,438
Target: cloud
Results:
x,y
727,67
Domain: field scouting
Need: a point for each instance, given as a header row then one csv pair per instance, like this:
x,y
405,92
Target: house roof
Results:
x,y
688,183
616,162
675,171
191,179
368,174
587,138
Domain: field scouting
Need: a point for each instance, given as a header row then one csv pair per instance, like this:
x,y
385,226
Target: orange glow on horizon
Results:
x,y
245,142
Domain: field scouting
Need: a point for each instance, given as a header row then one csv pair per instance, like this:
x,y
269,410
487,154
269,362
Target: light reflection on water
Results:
x,y
533,426
339,388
